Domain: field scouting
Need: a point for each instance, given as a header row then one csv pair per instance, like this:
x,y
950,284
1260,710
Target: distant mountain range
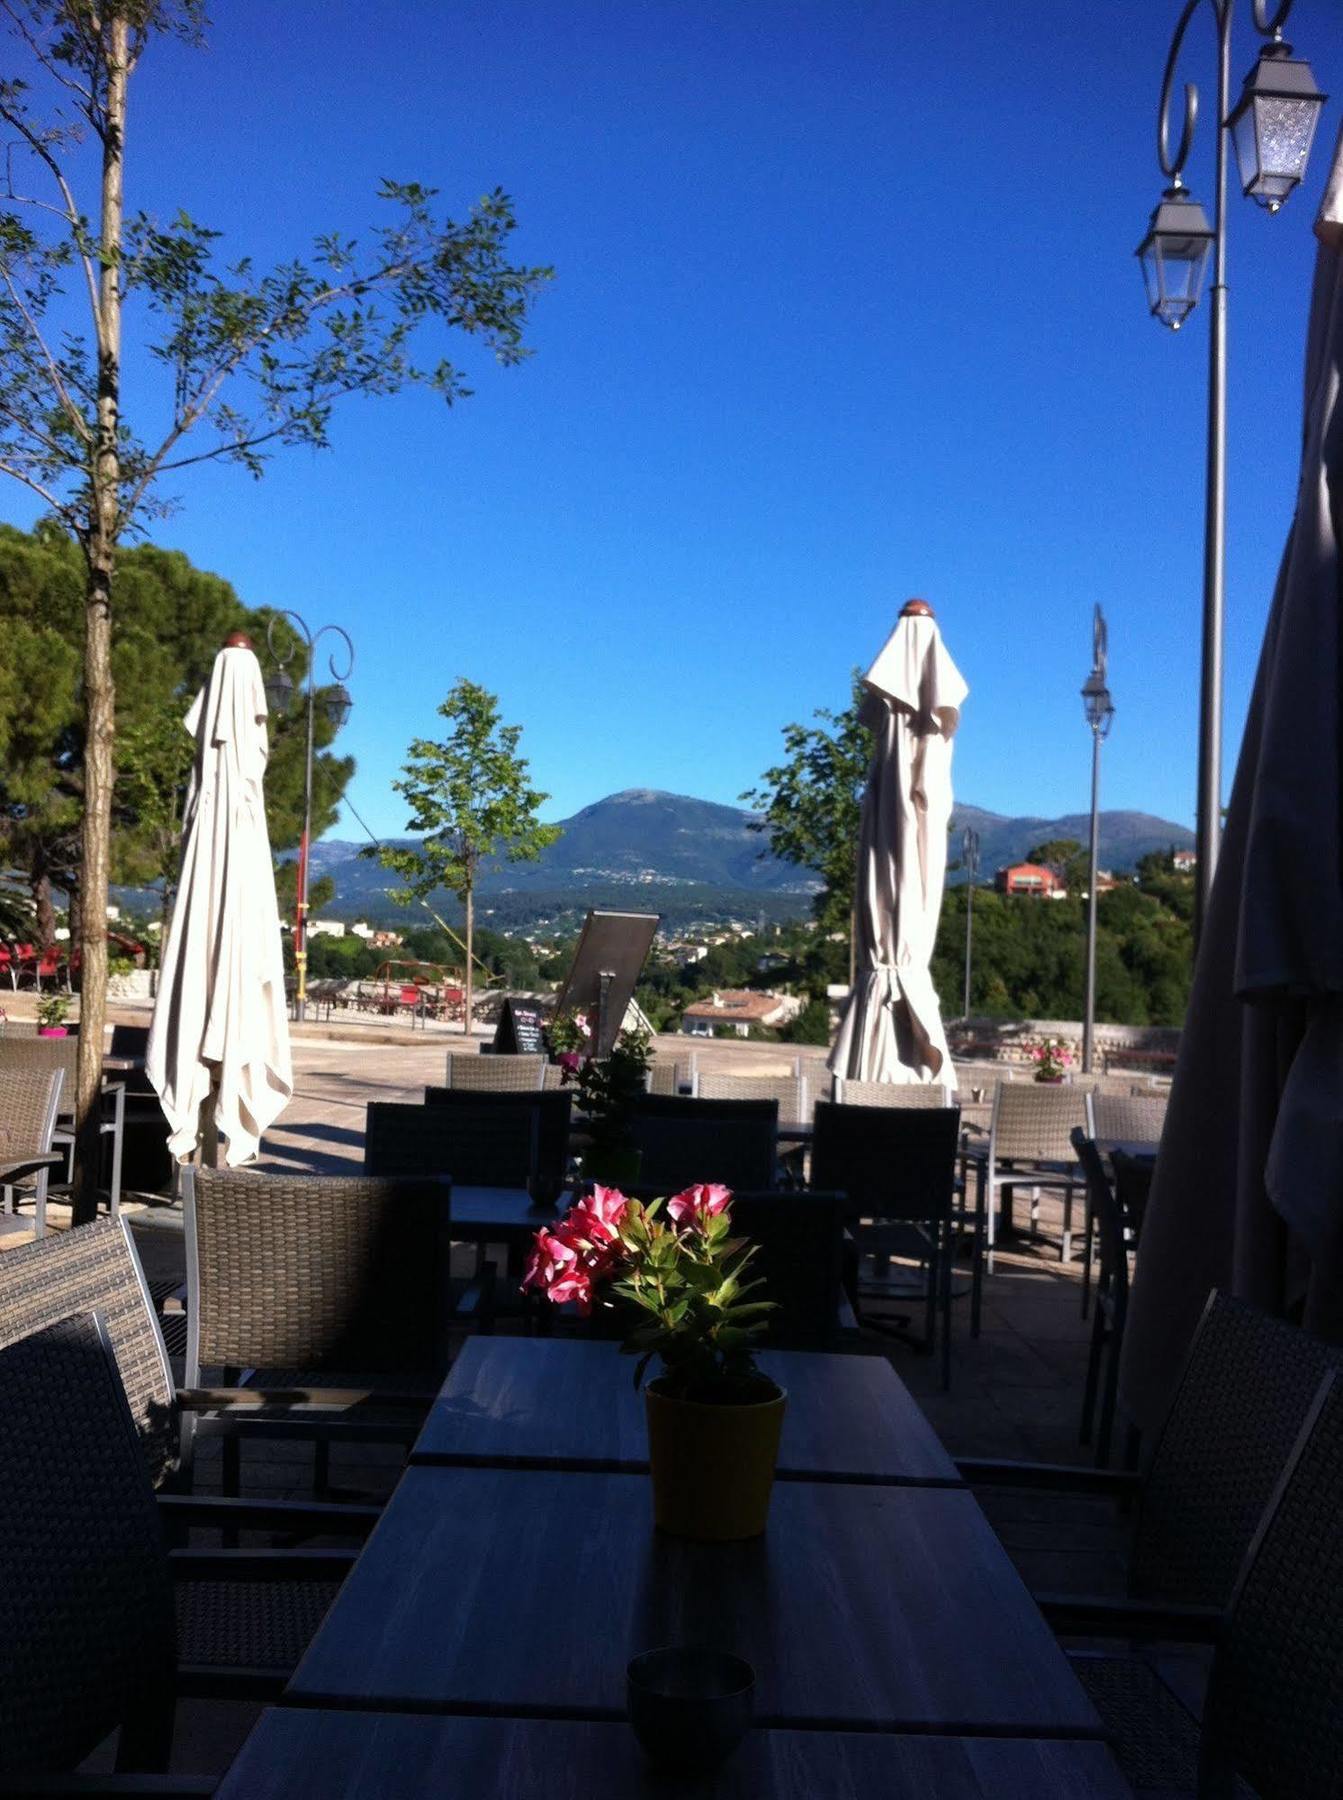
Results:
x,y
685,858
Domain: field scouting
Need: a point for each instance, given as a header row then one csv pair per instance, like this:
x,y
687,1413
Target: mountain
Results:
x,y
688,858
1125,837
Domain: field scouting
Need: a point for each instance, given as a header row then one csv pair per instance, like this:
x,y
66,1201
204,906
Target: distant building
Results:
x,y
1184,862
739,1008
326,928
1032,879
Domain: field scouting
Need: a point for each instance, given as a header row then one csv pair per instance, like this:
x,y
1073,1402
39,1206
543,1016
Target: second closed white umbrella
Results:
x,y
220,1036
892,1026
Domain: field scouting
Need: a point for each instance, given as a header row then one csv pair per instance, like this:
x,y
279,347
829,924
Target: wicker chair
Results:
x,y
682,1141
493,1132
29,1102
1126,1118
320,1292
43,1054
495,1074
789,1091
668,1075
96,1269
928,1094
99,1625
896,1167
1030,1146
1246,1389
1274,1713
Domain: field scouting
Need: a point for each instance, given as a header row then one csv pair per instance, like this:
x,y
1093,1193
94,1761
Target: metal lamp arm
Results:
x,y
340,631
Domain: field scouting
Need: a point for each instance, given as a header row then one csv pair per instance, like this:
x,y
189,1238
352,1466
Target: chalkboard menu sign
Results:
x,y
521,1030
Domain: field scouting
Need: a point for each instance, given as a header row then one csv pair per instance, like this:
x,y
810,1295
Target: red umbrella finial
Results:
x,y
916,609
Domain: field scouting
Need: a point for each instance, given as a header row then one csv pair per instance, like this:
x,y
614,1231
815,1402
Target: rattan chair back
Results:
x,y
30,1100
38,1056
1274,1711
1127,1118
929,1095
495,1074
888,1162
337,1272
682,1141
1247,1385
799,1240
788,1091
86,1609
664,1076
1033,1121
95,1269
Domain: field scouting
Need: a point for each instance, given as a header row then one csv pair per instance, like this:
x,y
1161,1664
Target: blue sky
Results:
x,y
846,310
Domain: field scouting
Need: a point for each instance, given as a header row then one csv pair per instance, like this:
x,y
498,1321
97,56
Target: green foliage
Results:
x,y
811,1026
469,797
811,803
1029,956
172,619
608,1091
699,1313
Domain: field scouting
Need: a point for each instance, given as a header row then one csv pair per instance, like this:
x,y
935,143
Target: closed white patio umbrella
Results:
x,y
1248,1190
892,1026
220,1037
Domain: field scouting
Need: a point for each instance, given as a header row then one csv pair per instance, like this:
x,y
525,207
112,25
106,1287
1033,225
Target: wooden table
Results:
x,y
571,1404
320,1755
525,1592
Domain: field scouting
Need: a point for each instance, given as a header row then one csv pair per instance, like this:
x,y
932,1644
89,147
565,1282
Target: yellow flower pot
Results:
x,y
712,1466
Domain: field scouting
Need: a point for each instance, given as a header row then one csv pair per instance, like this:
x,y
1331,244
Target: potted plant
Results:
x,y
1053,1058
52,1011
607,1092
713,1418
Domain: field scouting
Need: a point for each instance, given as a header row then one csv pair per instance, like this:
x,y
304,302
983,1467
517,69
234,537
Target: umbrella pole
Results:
x,y
207,1137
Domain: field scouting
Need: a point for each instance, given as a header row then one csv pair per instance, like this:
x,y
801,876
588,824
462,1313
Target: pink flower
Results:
x,y
549,1260
576,1286
595,1222
570,1061
697,1205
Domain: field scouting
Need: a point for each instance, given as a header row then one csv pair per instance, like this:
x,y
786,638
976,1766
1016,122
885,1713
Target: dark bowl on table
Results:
x,y
690,1708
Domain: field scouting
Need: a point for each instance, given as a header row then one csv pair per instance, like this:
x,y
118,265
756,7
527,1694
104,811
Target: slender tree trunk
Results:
x,y
470,953
99,692
40,887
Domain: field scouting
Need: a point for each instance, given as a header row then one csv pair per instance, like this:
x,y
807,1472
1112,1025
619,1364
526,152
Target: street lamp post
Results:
x,y
970,860
1100,714
337,702
1272,127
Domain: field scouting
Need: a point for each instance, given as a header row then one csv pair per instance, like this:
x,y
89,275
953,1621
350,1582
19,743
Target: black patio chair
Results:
x,y
102,1626
799,1239
474,1140
1110,1312
682,1141
490,1129
896,1167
